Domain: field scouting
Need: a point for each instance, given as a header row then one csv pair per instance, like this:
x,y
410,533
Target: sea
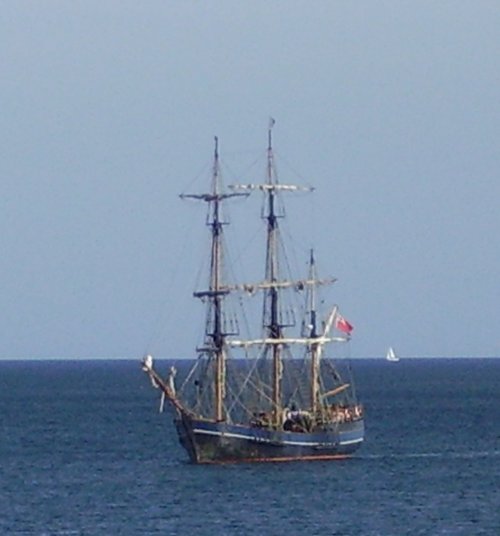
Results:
x,y
85,451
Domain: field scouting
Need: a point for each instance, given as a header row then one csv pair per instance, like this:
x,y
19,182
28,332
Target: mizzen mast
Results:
x,y
313,334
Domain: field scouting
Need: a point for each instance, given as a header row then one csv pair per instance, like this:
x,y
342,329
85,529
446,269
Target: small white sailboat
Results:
x,y
391,355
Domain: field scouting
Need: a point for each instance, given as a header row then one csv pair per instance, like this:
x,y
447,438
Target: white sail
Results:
x,y
391,355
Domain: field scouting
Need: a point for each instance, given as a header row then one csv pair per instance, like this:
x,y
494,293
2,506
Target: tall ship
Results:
x,y
272,390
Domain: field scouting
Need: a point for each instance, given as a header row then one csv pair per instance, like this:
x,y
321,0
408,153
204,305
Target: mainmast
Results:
x,y
271,299
274,321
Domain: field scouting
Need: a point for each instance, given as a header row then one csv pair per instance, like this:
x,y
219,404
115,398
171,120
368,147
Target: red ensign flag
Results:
x,y
342,324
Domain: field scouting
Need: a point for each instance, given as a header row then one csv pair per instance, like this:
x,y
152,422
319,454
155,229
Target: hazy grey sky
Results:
x,y
108,109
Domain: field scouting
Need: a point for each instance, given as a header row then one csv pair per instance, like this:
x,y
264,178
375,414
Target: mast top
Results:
x,y
312,261
216,194
272,121
271,185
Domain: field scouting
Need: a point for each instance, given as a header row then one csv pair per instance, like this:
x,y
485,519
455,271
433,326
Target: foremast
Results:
x,y
215,334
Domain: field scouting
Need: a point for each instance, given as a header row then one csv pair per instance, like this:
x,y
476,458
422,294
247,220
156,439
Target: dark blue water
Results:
x,y
83,451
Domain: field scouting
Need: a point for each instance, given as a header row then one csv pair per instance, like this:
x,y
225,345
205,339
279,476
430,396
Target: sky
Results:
x,y
391,110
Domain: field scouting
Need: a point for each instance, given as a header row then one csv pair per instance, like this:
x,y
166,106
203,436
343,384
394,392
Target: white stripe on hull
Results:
x,y
264,440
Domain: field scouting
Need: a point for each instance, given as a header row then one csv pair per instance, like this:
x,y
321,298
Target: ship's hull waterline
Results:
x,y
215,443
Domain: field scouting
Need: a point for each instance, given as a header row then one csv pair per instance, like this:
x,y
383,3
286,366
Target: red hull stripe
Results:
x,y
322,457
